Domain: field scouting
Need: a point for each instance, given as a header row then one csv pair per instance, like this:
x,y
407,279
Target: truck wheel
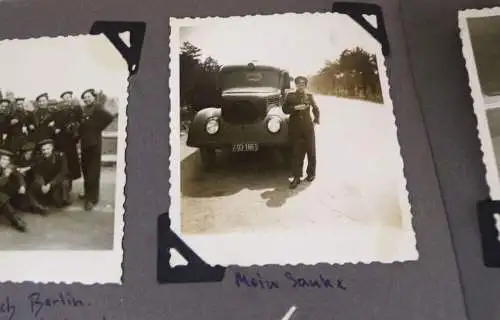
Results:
x,y
208,158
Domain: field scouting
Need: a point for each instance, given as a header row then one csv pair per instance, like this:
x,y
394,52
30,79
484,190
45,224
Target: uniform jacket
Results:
x,y
67,119
24,118
5,118
52,170
43,117
29,120
67,123
95,118
10,185
22,162
300,120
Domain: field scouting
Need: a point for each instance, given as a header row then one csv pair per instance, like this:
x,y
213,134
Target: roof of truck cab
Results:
x,y
230,67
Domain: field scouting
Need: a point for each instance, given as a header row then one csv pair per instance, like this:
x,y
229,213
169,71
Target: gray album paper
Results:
x,y
383,226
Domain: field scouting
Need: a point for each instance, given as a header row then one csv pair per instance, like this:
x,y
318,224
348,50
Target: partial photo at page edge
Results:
x,y
479,29
255,169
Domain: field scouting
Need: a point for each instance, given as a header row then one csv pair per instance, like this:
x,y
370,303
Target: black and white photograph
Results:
x,y
283,138
62,143
479,30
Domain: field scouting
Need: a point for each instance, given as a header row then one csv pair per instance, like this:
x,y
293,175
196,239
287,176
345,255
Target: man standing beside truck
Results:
x,y
299,104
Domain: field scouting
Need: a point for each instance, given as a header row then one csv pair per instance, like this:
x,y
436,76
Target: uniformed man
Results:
x,y
20,103
15,187
25,162
6,208
5,104
44,122
29,119
68,117
4,120
75,113
298,105
95,119
18,131
50,171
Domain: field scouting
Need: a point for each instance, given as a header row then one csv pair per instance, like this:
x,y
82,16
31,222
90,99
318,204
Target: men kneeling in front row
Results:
x,y
32,183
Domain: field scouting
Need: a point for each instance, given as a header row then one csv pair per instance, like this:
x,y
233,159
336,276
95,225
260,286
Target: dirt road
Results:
x,y
358,181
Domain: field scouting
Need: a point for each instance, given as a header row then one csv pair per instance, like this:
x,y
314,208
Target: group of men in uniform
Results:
x,y
39,157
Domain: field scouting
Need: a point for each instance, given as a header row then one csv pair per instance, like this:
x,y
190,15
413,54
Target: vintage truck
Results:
x,y
249,117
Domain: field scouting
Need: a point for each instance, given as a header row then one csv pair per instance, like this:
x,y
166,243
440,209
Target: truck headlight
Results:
x,y
274,125
212,126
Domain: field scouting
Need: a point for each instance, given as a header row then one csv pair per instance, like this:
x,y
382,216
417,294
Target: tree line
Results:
x,y
198,78
354,74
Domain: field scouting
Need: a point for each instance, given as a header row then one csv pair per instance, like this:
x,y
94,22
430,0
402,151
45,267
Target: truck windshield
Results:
x,y
249,78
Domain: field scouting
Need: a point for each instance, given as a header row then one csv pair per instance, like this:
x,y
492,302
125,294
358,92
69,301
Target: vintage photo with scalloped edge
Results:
x,y
479,31
62,159
284,143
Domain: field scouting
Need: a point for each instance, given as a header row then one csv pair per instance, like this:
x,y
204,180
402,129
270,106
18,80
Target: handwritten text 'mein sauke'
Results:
x,y
289,280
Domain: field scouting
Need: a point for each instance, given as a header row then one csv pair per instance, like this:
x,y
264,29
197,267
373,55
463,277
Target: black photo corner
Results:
x,y
196,270
356,11
112,30
131,54
486,210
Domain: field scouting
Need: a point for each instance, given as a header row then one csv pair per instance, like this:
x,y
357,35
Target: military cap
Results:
x,y
4,100
20,99
28,146
45,141
66,92
92,91
45,94
5,152
300,78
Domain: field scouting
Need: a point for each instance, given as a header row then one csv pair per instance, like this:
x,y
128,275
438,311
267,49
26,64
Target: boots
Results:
x,y
89,205
33,205
15,221
18,224
310,177
295,182
38,208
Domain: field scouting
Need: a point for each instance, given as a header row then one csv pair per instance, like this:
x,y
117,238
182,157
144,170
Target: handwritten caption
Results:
x,y
288,280
37,304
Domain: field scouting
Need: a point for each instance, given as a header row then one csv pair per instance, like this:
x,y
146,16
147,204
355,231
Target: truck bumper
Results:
x,y
230,135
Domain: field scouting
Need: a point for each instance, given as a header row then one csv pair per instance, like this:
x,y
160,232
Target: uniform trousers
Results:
x,y
304,144
57,196
91,169
8,211
23,202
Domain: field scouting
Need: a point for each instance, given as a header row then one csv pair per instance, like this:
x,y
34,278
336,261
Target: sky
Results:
x,y
53,65
300,43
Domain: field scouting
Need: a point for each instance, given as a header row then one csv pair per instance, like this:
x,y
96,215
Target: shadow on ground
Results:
x,y
236,172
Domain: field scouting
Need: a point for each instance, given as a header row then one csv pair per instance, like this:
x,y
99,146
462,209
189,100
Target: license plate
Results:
x,y
245,147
